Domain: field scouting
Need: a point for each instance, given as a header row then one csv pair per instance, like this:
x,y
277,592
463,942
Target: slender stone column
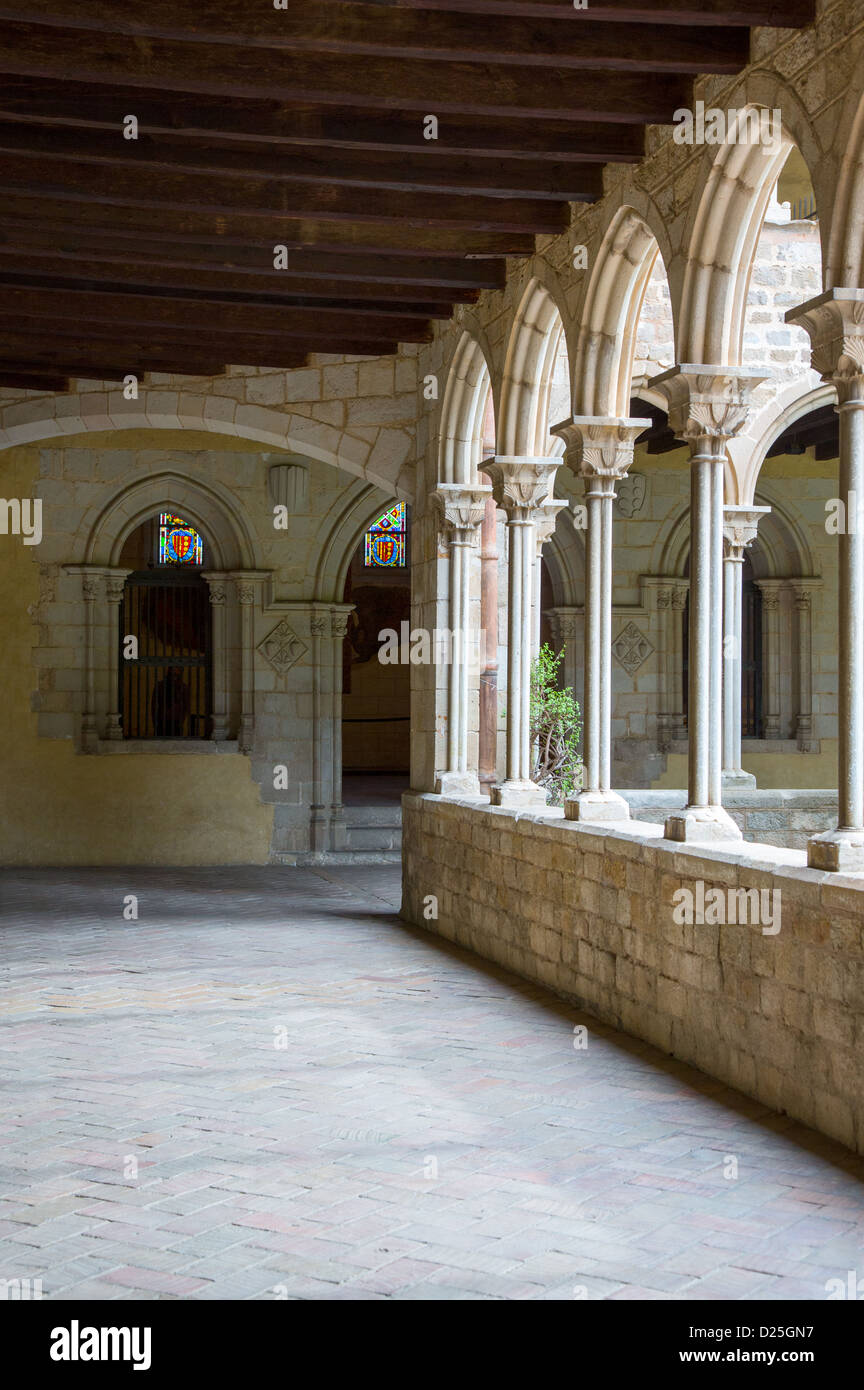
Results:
x,y
739,530
671,601
771,590
217,583
544,529
92,582
115,587
803,591
601,451
487,758
707,407
835,323
338,629
521,484
461,510
248,584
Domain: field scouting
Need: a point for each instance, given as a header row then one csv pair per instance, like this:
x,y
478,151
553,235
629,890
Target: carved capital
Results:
x,y
835,323
218,585
520,484
707,405
599,446
740,525
339,624
545,520
460,508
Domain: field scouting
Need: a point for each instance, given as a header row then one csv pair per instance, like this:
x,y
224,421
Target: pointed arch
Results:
x,y
532,349
63,417
205,505
721,247
463,410
606,349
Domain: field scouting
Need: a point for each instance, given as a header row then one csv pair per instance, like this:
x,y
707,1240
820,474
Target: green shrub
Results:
x,y
556,730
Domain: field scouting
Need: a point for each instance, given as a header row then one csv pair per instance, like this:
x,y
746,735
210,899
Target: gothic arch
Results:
x,y
207,506
62,417
342,539
726,221
523,426
748,451
844,258
461,428
603,368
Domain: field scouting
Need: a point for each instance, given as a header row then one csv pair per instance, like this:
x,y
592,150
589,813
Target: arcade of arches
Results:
x,y
649,456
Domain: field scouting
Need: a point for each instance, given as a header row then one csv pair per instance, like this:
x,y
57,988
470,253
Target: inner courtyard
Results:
x,y
432,605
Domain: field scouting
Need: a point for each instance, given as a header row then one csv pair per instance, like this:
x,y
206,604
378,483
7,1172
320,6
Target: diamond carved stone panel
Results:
x,y
631,647
282,647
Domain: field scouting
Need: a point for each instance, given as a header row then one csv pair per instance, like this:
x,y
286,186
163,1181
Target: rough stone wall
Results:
x,y
590,916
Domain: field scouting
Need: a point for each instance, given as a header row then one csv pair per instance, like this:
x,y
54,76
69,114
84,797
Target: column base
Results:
x,y
338,828
735,777
838,851
700,823
220,729
596,806
114,728
458,784
517,794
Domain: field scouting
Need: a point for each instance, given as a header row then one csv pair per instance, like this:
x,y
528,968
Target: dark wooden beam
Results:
x,y
778,14
83,105
360,170
123,247
217,295
31,381
59,366
404,84
88,308
367,30
70,208
32,269
122,184
136,341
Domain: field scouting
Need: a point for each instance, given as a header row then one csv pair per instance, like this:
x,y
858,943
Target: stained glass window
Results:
x,y
179,543
385,540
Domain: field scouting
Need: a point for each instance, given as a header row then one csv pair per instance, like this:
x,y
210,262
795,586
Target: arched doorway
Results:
x,y
164,662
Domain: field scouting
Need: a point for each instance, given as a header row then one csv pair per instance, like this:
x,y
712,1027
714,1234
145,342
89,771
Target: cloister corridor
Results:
x,y
269,1086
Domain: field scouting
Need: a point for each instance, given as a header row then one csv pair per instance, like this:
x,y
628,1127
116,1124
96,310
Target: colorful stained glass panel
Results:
x,y
179,543
385,540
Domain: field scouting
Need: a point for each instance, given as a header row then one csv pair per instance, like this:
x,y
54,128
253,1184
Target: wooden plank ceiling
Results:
x,y
304,127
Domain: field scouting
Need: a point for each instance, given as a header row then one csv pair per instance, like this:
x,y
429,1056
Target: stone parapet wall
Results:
x,y
785,819
589,915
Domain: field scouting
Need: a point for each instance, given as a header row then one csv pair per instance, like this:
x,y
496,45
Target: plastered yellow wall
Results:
x,y
59,807
795,771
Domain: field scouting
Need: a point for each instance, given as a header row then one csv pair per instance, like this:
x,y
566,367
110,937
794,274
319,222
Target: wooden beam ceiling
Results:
x,y
306,127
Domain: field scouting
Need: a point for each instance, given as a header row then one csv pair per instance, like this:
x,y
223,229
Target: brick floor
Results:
x,y
269,1087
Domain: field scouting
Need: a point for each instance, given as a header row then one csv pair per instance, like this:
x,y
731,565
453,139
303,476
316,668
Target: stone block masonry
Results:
x,y
592,917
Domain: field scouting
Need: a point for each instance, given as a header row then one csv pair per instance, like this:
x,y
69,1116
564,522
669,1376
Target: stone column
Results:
x,y
739,530
521,484
803,591
544,529
835,323
487,756
217,583
248,584
600,449
461,510
671,602
92,587
338,630
567,629
115,587
771,589
707,407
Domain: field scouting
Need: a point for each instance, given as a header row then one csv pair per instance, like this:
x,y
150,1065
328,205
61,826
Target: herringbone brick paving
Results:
x,y
267,1086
